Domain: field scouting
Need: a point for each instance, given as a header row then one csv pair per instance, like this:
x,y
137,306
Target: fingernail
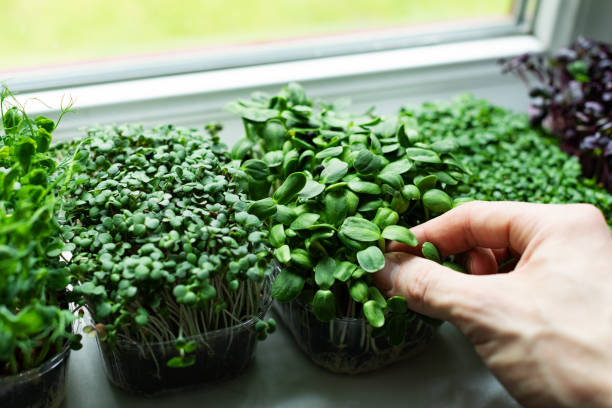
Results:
x,y
385,278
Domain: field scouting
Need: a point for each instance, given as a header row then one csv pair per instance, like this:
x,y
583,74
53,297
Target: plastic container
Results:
x,y
40,387
345,345
220,355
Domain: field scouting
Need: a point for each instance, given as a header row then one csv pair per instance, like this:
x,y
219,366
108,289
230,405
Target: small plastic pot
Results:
x,y
40,387
345,345
220,355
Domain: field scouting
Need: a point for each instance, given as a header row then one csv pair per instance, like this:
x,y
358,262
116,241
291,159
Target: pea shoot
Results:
x,y
35,321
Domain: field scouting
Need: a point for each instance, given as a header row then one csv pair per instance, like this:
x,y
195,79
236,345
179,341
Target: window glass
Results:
x,y
45,33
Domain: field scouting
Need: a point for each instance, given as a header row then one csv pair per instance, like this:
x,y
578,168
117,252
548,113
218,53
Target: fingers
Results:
x,y
501,254
430,288
481,261
481,224
519,229
477,261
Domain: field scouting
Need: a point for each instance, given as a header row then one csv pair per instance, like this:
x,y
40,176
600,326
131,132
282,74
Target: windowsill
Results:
x,y
192,98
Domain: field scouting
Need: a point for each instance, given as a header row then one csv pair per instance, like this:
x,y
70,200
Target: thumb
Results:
x,y
430,288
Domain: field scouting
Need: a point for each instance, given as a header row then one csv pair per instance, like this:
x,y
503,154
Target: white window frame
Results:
x,y
390,77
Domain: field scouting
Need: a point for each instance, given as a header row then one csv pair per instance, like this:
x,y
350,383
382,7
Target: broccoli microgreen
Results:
x,y
164,248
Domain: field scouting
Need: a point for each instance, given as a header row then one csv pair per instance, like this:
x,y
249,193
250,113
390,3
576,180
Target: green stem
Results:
x,y
63,112
13,364
382,244
43,354
320,247
247,129
27,355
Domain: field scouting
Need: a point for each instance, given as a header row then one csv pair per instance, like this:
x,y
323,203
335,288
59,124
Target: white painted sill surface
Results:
x,y
448,373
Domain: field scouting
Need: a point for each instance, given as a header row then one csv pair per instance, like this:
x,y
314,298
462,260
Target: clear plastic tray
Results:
x,y
220,355
345,345
40,387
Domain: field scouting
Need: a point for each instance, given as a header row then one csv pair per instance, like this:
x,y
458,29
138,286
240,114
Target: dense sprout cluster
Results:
x,y
334,186
164,246
572,91
508,159
34,316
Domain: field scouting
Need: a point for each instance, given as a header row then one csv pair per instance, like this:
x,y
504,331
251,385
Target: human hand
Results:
x,y
545,328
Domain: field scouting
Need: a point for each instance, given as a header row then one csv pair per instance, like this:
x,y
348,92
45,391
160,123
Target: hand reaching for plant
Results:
x,y
545,329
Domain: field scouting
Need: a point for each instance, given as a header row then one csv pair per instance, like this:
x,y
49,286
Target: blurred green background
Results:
x,y
41,32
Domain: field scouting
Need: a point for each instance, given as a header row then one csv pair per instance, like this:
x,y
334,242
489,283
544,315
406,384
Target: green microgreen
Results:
x,y
35,321
336,187
164,248
507,159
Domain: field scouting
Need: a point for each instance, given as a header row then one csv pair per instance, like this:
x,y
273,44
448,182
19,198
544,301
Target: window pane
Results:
x,y
45,33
